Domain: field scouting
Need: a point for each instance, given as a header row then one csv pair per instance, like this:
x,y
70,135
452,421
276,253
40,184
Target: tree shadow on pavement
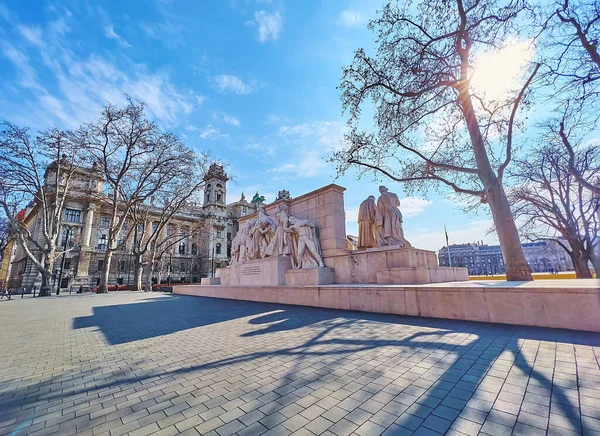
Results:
x,y
406,373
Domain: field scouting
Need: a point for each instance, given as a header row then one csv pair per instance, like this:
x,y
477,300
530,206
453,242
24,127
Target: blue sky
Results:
x,y
253,81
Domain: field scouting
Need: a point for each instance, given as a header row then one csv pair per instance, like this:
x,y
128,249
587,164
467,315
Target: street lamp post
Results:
x,y
62,262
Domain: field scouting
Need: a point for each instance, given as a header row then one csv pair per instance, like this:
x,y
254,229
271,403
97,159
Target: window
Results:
x,y
218,248
100,264
170,230
67,263
154,227
182,267
102,242
228,236
122,265
140,228
218,196
104,222
194,249
219,233
72,215
67,237
182,248
125,225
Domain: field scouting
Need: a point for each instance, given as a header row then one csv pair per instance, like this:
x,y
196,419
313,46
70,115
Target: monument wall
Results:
x,y
567,304
325,207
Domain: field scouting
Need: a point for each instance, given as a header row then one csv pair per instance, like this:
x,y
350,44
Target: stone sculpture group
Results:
x,y
380,224
278,235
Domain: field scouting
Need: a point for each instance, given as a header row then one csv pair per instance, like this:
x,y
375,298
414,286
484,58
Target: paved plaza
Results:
x,y
147,363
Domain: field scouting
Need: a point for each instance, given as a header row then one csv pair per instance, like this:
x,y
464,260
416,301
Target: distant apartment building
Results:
x,y
481,259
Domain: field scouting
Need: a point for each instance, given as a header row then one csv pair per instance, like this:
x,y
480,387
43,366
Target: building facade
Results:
x,y
483,259
201,237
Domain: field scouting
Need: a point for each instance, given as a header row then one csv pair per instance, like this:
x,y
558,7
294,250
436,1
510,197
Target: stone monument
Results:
x,y
303,242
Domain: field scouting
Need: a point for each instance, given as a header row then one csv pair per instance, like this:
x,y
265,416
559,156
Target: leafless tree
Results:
x,y
137,159
550,203
38,173
568,43
152,219
6,236
431,125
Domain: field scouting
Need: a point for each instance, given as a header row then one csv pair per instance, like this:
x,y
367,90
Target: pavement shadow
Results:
x,y
424,379
159,316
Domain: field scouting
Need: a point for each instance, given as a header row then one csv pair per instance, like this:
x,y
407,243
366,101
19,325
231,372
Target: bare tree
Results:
x,y
137,159
432,126
552,204
38,172
5,236
151,220
568,41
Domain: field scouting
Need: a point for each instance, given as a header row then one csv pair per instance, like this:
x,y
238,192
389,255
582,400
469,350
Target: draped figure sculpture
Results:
x,y
389,220
281,244
278,235
306,244
367,216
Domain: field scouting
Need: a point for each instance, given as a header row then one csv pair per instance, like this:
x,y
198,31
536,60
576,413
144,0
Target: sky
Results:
x,y
252,81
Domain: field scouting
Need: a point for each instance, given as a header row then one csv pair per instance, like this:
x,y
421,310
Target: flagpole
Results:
x,y
448,245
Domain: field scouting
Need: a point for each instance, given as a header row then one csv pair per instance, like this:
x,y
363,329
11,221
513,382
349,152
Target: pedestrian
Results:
x,y
34,289
117,287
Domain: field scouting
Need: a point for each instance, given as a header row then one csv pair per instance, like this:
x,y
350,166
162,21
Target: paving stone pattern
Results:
x,y
138,364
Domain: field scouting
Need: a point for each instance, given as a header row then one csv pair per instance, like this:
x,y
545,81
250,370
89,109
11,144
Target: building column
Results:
x,y
87,229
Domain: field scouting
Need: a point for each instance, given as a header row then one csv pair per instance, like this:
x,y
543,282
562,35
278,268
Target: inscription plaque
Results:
x,y
251,270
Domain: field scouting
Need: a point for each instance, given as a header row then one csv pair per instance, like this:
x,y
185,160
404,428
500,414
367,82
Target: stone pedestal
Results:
x,y
421,275
210,281
391,265
269,271
304,277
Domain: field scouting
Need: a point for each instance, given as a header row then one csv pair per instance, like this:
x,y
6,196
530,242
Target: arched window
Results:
x,y
182,248
218,248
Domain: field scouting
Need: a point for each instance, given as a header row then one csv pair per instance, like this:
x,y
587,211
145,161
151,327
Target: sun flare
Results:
x,y
498,73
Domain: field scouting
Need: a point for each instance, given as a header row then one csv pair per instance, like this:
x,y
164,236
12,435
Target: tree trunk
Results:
x,y
517,268
580,263
103,287
139,271
148,279
595,258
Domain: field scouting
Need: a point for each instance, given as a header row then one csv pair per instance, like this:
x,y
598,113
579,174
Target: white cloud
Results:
x,y
269,25
231,83
85,84
211,133
350,18
306,164
412,206
309,143
110,33
33,34
228,119
276,119
352,214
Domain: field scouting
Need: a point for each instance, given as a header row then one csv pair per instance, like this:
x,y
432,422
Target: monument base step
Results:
x,y
210,281
304,277
421,275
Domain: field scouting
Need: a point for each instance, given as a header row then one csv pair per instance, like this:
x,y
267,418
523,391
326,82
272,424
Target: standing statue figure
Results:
x,y
367,215
306,243
389,220
250,251
281,244
238,245
262,233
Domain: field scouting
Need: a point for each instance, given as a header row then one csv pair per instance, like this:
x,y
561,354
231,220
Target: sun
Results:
x,y
498,73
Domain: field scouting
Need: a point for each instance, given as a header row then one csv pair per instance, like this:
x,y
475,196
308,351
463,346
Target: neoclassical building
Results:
x,y
203,236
